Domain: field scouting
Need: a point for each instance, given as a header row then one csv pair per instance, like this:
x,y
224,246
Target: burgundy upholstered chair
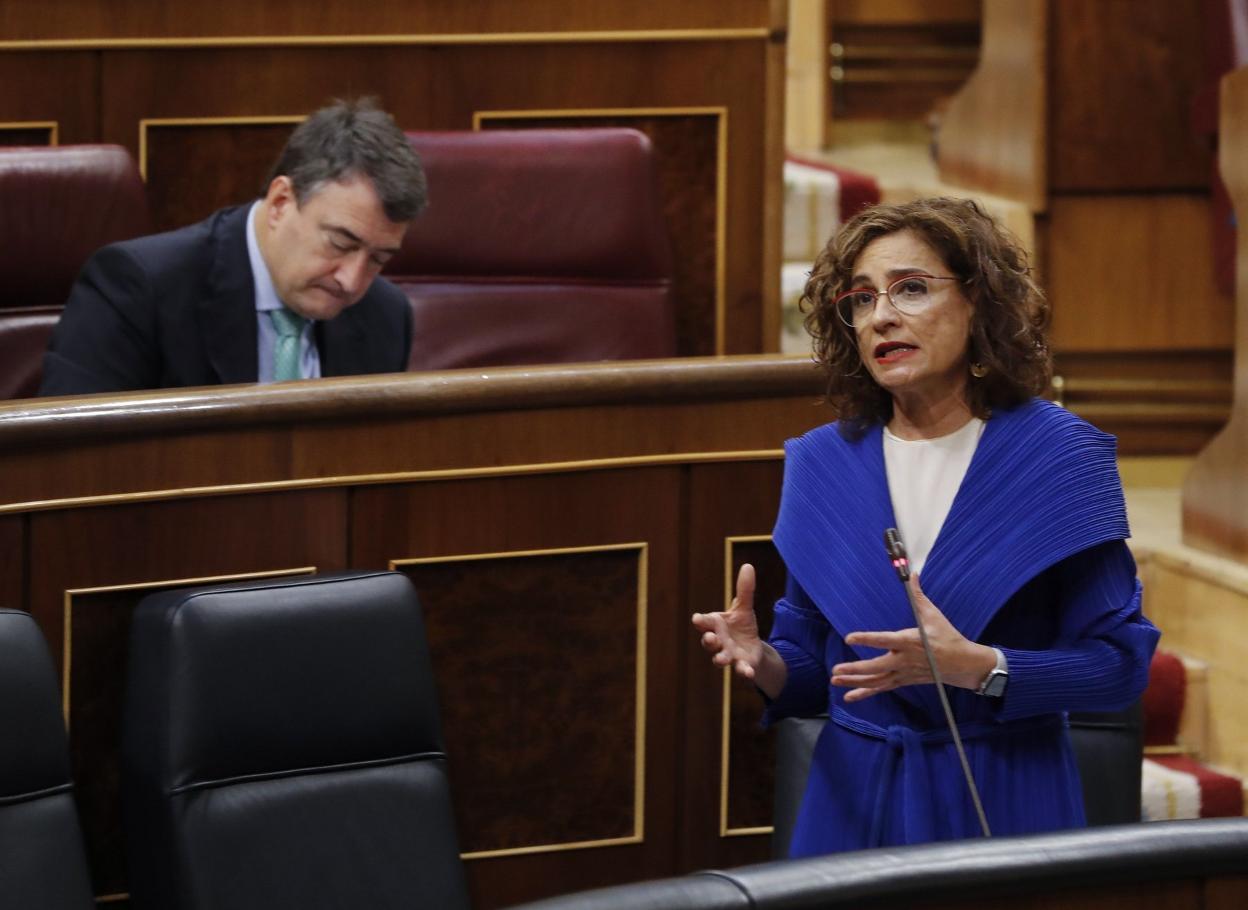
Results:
x,y
538,246
57,206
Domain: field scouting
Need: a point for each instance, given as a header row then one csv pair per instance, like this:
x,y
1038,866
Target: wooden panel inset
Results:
x,y
139,461
726,502
1124,74
96,655
60,87
16,134
131,544
86,19
523,648
751,754
12,562
575,788
688,151
1134,273
243,152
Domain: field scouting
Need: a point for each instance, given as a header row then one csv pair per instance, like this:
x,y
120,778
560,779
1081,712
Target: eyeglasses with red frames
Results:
x,y
909,294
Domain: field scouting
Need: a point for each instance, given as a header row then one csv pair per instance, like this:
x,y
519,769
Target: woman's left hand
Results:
x,y
961,662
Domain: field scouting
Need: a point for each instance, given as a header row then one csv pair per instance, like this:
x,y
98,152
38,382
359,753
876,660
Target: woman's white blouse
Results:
x,y
923,478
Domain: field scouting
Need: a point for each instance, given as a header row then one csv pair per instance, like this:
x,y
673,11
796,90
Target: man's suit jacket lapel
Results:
x,y
342,344
227,313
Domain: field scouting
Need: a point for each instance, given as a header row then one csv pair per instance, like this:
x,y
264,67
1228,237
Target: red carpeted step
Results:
x,y
1163,700
858,190
1217,795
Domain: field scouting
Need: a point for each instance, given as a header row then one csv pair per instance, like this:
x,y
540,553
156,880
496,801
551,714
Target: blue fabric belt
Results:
x,y
906,743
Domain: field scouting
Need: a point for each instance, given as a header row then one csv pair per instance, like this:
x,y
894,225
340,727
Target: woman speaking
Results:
x,y
931,330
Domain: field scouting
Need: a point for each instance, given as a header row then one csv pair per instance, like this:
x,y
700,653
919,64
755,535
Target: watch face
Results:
x,y
994,686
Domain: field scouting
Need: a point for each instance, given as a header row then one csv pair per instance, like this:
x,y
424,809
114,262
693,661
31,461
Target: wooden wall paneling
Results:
x,y
775,150
746,784
1226,893
1133,272
217,86
56,87
12,562
1124,75
498,439
690,146
732,508
91,566
902,12
1215,494
138,462
523,680
806,77
516,632
242,150
33,20
993,137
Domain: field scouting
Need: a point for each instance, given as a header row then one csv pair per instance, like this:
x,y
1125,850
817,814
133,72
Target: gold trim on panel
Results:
x,y
349,480
67,637
721,176
726,715
52,126
639,736
147,122
267,41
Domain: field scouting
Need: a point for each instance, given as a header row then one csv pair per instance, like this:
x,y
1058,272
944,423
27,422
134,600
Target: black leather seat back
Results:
x,y
42,860
795,747
1184,862
282,749
1109,750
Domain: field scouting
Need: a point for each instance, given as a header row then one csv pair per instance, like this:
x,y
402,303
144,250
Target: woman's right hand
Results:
x,y
732,636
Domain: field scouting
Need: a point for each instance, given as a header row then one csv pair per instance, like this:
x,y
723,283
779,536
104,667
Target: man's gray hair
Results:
x,y
349,139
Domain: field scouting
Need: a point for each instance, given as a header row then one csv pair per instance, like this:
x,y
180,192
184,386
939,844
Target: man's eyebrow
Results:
x,y
348,235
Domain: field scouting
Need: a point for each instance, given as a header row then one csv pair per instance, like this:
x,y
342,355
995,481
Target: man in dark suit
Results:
x,y
284,288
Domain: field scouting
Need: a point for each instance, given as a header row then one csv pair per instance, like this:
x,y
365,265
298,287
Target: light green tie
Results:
x,y
289,327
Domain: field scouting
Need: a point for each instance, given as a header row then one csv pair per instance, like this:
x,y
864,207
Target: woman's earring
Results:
x,y
978,370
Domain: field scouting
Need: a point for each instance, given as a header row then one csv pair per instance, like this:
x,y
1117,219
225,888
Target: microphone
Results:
x,y
901,563
897,553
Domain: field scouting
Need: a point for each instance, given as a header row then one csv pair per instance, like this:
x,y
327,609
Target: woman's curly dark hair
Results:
x,y
1009,318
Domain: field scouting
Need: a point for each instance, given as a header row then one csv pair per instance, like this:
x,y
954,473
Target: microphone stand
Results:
x,y
897,553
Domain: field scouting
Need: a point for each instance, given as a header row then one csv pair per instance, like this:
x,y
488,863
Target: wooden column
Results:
x,y
1215,496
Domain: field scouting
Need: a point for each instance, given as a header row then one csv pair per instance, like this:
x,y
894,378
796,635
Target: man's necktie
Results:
x,y
289,326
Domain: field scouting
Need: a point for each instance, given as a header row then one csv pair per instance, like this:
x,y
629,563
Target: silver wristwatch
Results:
x,y
993,685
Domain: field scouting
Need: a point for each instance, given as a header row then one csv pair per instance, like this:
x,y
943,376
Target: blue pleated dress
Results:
x,y
1031,558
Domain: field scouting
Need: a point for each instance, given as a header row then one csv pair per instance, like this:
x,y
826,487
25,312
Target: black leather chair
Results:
x,y
1189,864
282,748
1109,750
42,860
